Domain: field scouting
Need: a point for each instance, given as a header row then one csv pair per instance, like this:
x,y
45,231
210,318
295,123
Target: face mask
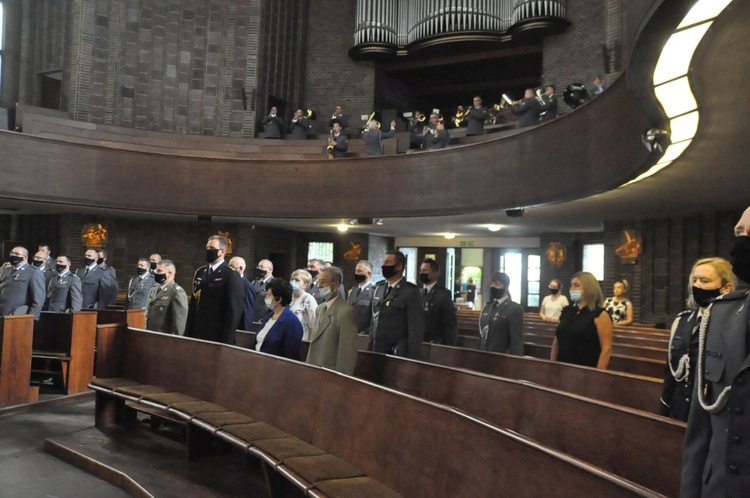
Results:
x,y
61,268
388,271
704,296
37,263
212,255
141,271
269,303
575,295
152,266
424,278
99,261
740,258
160,278
359,278
313,273
554,291
296,287
89,261
496,293
325,292
14,260
260,274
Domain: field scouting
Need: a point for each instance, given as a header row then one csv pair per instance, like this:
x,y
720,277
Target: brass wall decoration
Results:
x,y
628,246
94,235
353,254
229,241
556,253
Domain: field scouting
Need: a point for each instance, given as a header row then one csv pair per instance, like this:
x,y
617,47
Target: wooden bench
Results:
x,y
609,436
16,336
133,318
66,340
243,339
330,430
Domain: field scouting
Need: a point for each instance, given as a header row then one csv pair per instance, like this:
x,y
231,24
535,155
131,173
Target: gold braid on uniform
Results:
x,y
197,293
683,366
721,401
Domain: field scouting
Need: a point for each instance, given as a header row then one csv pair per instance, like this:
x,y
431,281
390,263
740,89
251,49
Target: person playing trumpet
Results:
x,y
338,115
373,138
436,136
416,126
475,118
550,103
299,125
527,109
273,125
338,144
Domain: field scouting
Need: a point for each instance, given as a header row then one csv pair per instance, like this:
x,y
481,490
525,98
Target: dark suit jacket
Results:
x,y
167,310
717,444
273,127
343,120
217,304
476,121
284,338
504,324
362,304
440,324
436,141
260,299
340,145
550,107
48,274
248,311
334,341
299,129
374,141
528,110
21,291
397,320
64,293
98,287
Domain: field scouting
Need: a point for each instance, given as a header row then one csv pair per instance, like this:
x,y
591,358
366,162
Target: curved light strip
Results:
x,y
671,84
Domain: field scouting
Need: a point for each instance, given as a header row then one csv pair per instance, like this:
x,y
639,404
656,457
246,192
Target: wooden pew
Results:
x,y
609,436
634,391
16,336
414,446
134,318
243,339
68,339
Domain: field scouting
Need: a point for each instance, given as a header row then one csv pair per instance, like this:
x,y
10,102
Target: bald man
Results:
x,y
263,274
248,314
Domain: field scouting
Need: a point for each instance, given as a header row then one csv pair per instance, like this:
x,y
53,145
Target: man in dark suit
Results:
x,y
528,109
248,311
716,455
98,286
549,110
360,297
340,142
373,138
476,118
436,136
334,341
21,286
340,117
273,125
64,290
263,274
299,125
139,286
397,311
167,306
41,263
218,297
441,325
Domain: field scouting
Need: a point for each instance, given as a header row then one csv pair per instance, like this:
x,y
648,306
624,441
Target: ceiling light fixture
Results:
x,y
449,235
494,228
342,227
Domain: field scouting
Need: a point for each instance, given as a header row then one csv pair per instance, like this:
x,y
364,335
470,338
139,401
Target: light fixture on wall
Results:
x,y
494,228
449,235
342,227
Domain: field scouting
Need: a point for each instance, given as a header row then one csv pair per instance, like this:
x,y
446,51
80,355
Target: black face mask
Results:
x,y
496,293
260,273
89,261
388,271
14,260
141,271
100,261
424,278
704,296
212,255
313,273
740,258
61,268
160,278
554,291
359,278
152,266
37,263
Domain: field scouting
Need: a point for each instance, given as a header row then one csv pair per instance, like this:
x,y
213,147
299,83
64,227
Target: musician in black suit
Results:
x,y
360,296
476,118
527,109
373,138
299,125
397,312
340,142
501,321
441,325
248,311
21,286
340,117
218,297
549,109
40,261
139,286
435,136
98,285
64,290
263,274
273,125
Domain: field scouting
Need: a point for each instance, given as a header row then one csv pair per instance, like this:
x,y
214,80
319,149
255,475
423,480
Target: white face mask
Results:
x,y
269,303
325,292
575,295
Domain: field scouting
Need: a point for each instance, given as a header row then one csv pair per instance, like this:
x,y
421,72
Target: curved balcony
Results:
x,y
539,17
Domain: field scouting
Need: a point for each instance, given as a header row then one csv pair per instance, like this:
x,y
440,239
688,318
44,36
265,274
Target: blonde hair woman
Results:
x,y
620,309
303,305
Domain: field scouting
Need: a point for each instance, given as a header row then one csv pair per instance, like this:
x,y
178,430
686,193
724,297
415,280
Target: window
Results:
x,y
593,260
2,37
533,275
511,263
320,250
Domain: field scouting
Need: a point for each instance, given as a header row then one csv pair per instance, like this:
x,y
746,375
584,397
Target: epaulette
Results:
x,y
686,312
732,296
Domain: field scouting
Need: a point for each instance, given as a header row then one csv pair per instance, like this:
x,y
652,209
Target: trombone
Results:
x,y
369,120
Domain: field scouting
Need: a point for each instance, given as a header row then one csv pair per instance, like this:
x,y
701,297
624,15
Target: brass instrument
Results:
x,y
420,117
539,98
330,146
461,116
369,120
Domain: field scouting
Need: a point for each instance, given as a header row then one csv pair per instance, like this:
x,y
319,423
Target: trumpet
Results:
x,y
538,96
330,146
272,115
461,115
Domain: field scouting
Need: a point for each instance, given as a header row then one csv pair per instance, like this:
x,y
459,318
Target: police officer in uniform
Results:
x,y
360,296
441,324
21,286
64,290
167,306
140,286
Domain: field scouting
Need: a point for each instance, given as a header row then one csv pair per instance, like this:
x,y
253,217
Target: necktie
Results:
x,y
85,272
209,271
359,291
424,292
